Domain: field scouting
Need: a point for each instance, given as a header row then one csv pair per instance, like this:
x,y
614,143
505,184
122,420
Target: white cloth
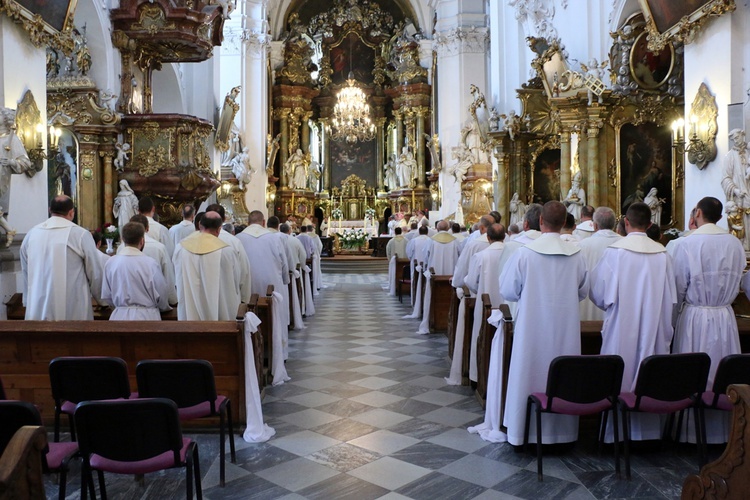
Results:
x,y
592,250
545,275
208,279
708,267
62,270
441,255
307,289
296,250
280,342
392,276
157,251
415,251
256,431
317,276
135,286
454,376
180,231
634,285
299,323
160,233
584,229
244,291
526,237
462,265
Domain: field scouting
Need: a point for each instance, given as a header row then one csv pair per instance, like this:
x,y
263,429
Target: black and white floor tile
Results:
x,y
368,415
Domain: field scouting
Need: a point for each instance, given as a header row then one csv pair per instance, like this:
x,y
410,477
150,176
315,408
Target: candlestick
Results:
x,y
413,203
292,202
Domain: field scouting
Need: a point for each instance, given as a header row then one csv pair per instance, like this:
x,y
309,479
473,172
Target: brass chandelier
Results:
x,y
351,114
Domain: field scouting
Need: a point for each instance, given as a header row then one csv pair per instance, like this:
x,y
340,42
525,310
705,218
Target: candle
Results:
x,y
292,202
413,204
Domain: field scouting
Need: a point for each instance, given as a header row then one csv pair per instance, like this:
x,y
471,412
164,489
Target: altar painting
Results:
x,y
547,176
56,14
352,55
359,159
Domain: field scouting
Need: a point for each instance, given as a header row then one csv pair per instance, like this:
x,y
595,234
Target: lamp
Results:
x,y
351,114
701,146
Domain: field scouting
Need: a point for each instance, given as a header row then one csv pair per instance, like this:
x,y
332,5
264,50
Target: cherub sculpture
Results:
x,y
123,152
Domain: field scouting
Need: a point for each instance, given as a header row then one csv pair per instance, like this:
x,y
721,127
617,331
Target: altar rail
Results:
x,y
27,347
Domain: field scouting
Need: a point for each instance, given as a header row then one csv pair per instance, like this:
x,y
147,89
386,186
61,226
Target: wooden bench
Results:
x,y
263,308
452,322
21,465
403,278
484,345
440,301
27,347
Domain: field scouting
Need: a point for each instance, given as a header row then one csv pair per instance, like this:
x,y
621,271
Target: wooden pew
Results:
x,y
468,327
440,302
729,475
452,322
21,465
17,311
484,345
27,347
402,264
263,308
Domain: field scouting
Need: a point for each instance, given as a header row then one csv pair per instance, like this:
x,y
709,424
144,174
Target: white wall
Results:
x,y
169,96
105,59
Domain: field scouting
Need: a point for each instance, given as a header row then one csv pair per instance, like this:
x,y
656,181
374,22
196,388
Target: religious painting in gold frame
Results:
x,y
679,20
648,68
544,177
57,15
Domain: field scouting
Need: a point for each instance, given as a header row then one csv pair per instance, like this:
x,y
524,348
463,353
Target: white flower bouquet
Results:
x,y
337,214
353,238
370,213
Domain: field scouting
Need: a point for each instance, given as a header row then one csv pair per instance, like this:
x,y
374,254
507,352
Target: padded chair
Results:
x,y
76,379
404,281
732,369
577,385
55,456
666,384
190,384
135,436
2,391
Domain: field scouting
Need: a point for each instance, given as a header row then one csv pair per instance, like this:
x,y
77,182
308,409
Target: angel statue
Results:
x,y
464,163
433,146
594,79
241,167
123,150
512,124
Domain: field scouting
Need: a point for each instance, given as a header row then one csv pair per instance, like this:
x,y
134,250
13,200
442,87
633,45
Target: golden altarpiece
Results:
x,y
323,52
615,140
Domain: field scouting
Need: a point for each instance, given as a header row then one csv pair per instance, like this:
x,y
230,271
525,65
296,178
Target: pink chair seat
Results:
x,y
159,462
69,408
59,452
651,405
722,404
201,409
569,408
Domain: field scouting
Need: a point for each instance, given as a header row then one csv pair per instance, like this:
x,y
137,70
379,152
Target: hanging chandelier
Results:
x,y
351,115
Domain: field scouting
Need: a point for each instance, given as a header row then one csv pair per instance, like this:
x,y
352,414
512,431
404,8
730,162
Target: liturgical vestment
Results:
x,y
592,249
208,279
634,285
394,250
441,255
135,286
180,231
547,277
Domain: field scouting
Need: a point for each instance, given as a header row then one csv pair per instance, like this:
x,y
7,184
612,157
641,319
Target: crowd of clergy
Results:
x,y
555,272
200,266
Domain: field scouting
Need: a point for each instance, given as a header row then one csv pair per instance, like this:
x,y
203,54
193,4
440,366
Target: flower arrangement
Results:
x,y
353,238
337,214
370,213
111,232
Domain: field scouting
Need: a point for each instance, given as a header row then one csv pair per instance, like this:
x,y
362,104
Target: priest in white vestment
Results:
x,y
471,248
61,267
318,247
585,228
592,250
708,267
415,252
441,255
231,240
158,252
208,275
411,232
634,285
185,228
296,249
133,282
155,229
272,226
531,227
547,277
395,249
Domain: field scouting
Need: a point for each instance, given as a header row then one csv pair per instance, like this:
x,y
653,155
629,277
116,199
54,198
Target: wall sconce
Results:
x,y
701,148
37,154
53,143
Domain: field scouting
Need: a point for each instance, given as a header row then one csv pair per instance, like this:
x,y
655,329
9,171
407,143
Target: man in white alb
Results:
x,y
585,227
208,275
634,284
415,253
157,251
133,282
61,267
547,277
708,267
156,230
394,250
296,250
318,249
441,255
592,249
471,248
531,227
239,250
185,228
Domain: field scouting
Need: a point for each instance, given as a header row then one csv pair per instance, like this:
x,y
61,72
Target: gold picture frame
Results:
x,y
45,22
670,20
650,69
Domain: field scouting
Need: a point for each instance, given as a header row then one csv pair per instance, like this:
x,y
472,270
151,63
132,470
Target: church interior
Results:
x,y
347,115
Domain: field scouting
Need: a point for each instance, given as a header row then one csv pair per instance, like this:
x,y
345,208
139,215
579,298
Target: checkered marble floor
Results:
x,y
367,414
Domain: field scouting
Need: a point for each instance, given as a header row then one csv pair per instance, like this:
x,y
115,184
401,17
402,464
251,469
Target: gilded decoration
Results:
x,y
374,21
40,31
667,20
28,122
152,18
476,199
88,166
298,63
226,119
404,58
151,160
703,115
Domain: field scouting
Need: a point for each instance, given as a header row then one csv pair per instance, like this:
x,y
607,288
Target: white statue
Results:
x,y
13,157
654,203
315,172
125,205
123,150
464,163
576,198
735,182
472,139
241,167
9,231
391,177
406,167
517,210
296,170
512,124
595,70
494,119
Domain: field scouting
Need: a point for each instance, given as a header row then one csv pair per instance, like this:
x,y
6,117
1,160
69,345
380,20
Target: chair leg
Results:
x,y
102,487
617,439
540,477
57,424
222,465
700,434
72,422
197,474
602,430
63,483
189,474
232,453
526,426
85,473
626,440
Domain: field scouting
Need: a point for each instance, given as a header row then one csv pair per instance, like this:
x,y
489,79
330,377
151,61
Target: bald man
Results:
x,y
441,254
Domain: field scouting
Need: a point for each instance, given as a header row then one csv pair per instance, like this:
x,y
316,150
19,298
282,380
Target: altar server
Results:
x,y
634,284
157,251
185,228
547,277
61,267
441,254
156,230
708,267
133,282
394,250
592,249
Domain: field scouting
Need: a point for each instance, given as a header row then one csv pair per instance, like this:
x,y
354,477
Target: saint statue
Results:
x,y
473,141
576,198
315,172
296,170
464,163
125,205
654,203
517,210
406,167
391,177
735,182
241,167
13,157
9,231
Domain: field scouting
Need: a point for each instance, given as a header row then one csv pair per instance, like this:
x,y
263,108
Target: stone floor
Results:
x,y
367,414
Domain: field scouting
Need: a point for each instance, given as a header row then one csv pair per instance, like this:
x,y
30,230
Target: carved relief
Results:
x,y
462,41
